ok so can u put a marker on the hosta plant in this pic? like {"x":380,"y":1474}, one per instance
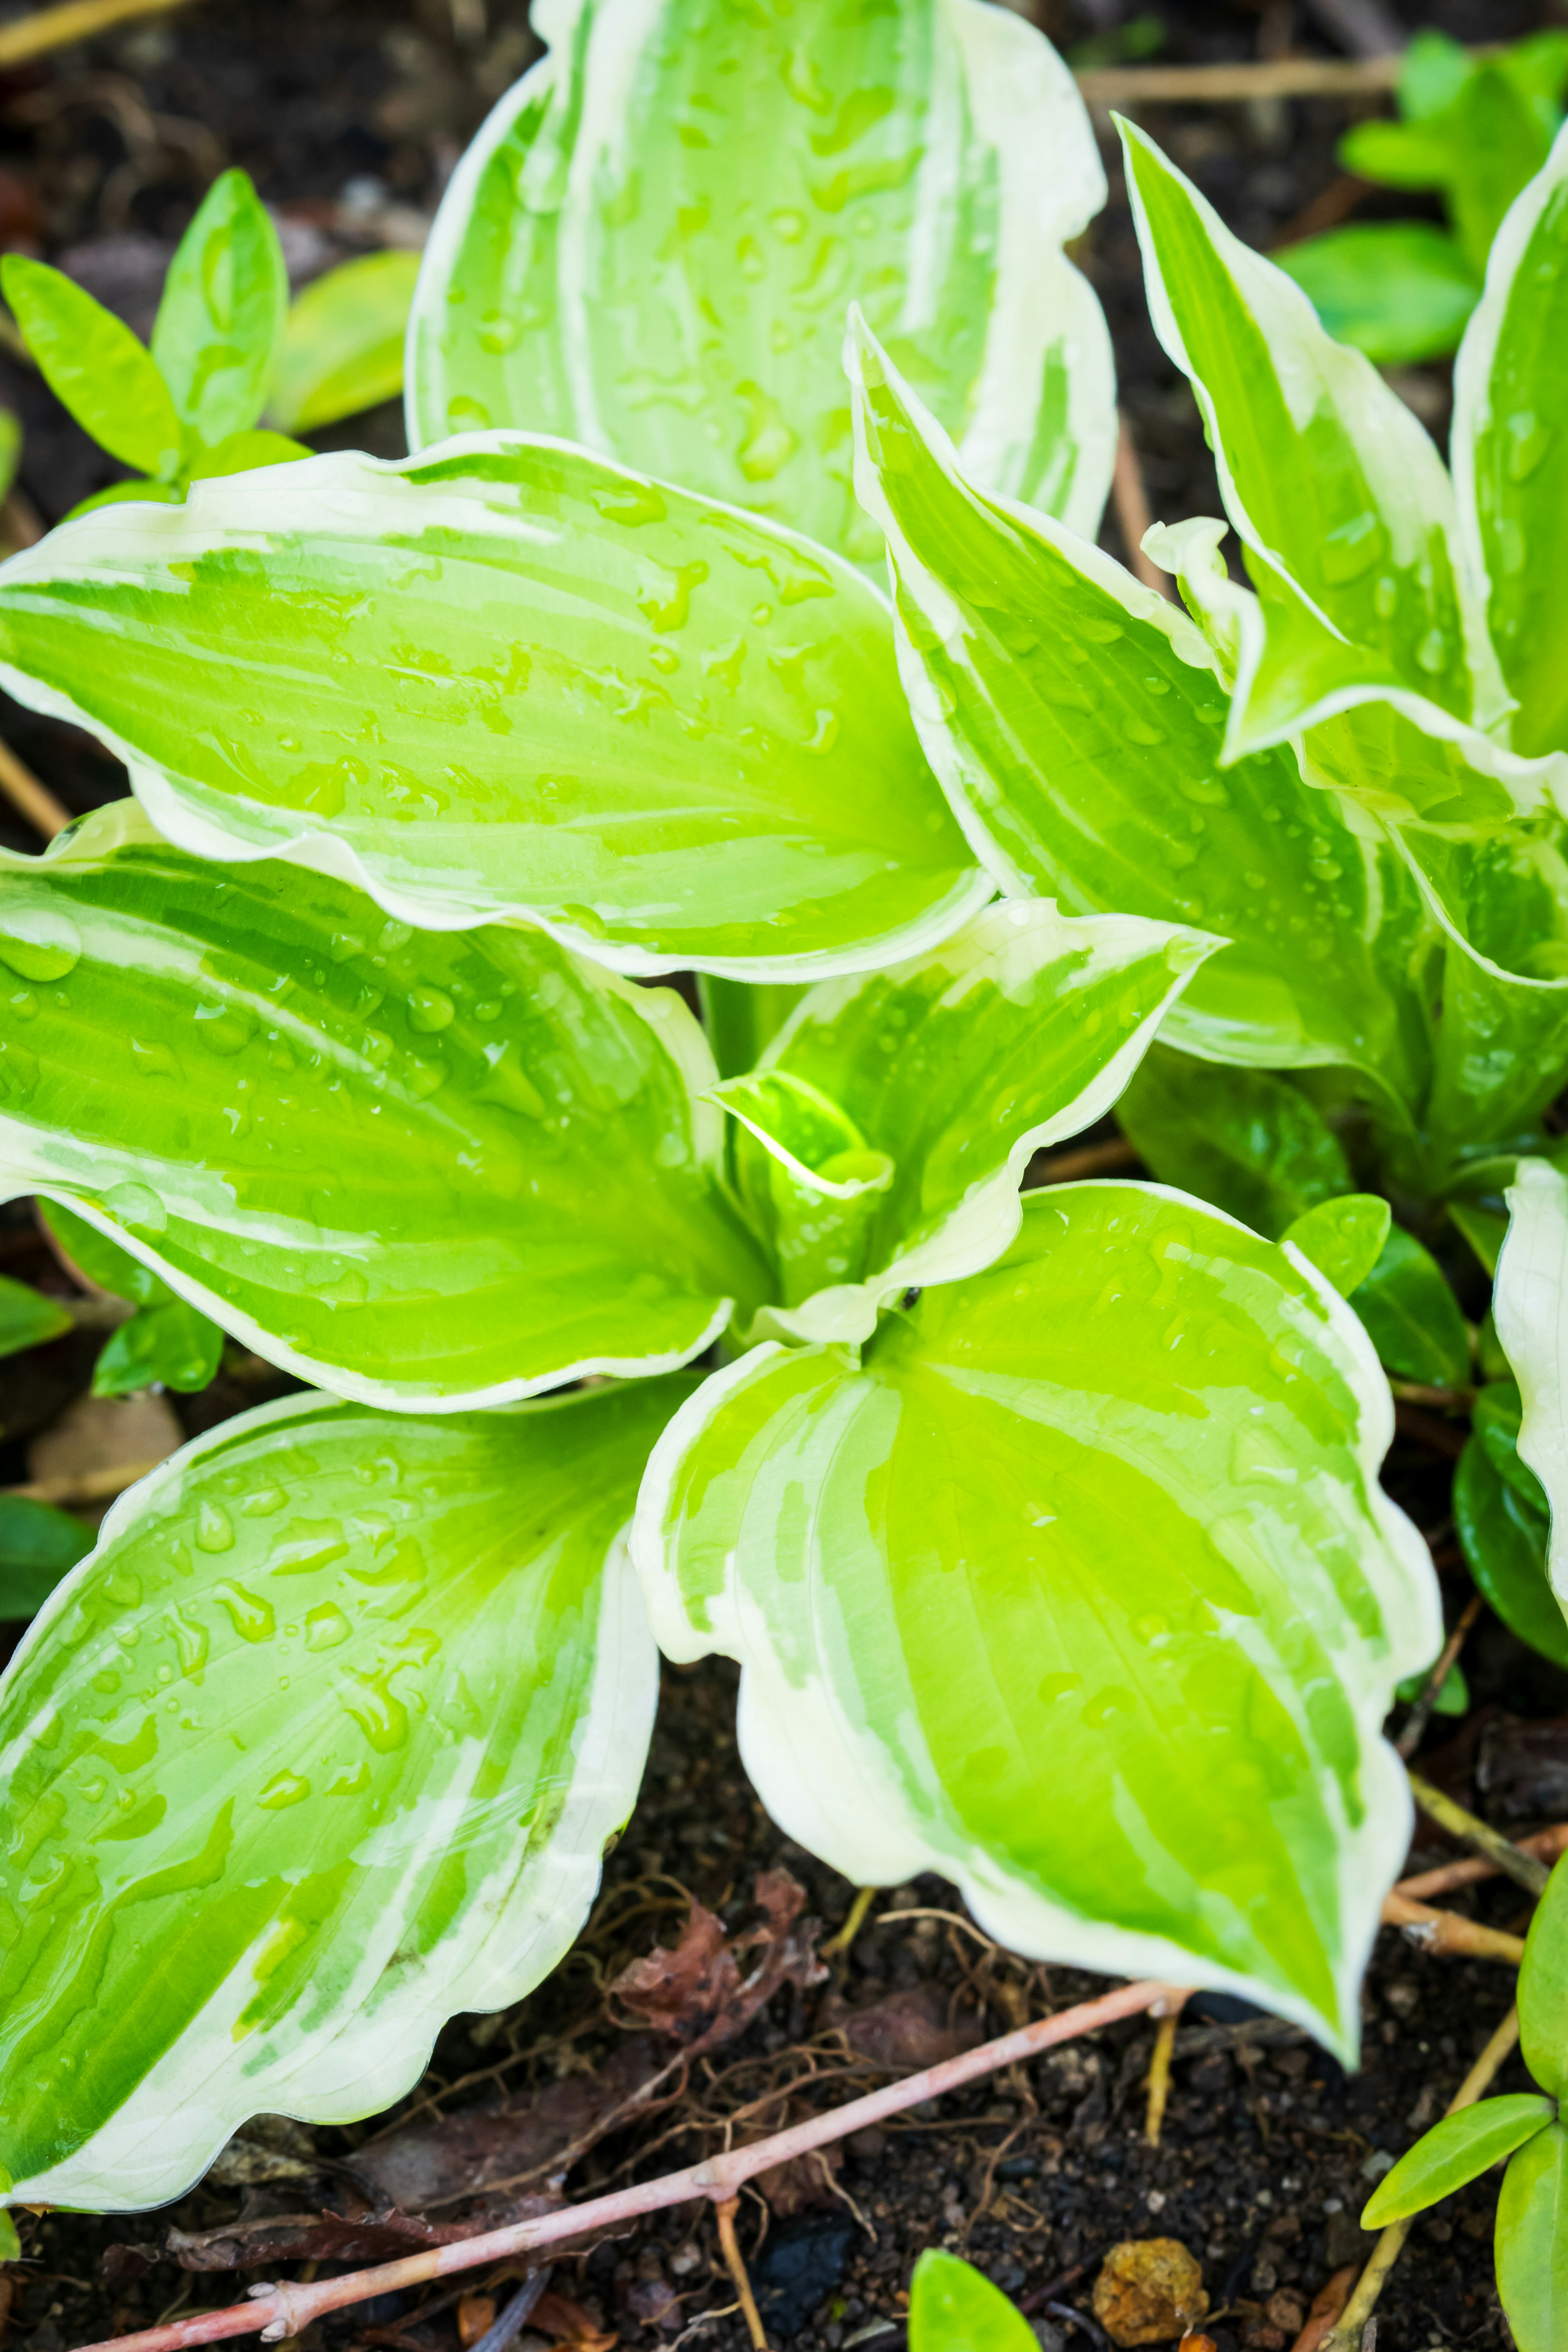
{"x":1045,"y":1527}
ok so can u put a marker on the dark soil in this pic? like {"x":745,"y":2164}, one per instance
{"x":350,"y":117}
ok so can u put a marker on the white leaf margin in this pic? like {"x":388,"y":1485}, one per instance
{"x":162,"y":2139}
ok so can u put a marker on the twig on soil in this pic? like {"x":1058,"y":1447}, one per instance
{"x":1523,"y":1868}
{"x":1234,"y":84}
{"x":31,"y":799}
{"x":736,"y":2263}
{"x":278,"y":2310}
{"x":1446,"y":1931}
{"x":1346,"y":2332}
{"x":1415,"y":1723}
{"x":865,"y":1898}
{"x":1545,"y":1844}
{"x":1160,"y":2077}
{"x":74,"y":20}
{"x":1134,"y":515}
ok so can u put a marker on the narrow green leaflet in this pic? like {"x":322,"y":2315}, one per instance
{"x":509,"y":680}
{"x":954,"y":2307}
{"x":1077,"y":721}
{"x":1412,"y":1316}
{"x":1344,"y":1237}
{"x":943,"y":1077}
{"x":1531,"y":2243}
{"x":1529,"y":1305}
{"x":322,"y":1745}
{"x":1544,"y":1988}
{"x":95,"y":367}
{"x":26,"y":1317}
{"x":1337,"y":491}
{"x":222,"y":313}
{"x":1400,"y":292}
{"x":341,"y":347}
{"x":1245,"y":1140}
{"x":650,"y":247}
{"x":37,"y":1544}
{"x":1075,"y":1585}
{"x":427,"y":1169}
{"x":1456,"y":2150}
{"x":1511,"y":452}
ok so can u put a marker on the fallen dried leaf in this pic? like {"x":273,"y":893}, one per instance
{"x":903,"y":2033}
{"x":475,"y":2313}
{"x":370,"y":2234}
{"x":1327,"y":2304}
{"x":566,"y":2323}
{"x":696,"y":1994}
{"x":1149,"y":2289}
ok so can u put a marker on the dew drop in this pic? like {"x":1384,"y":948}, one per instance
{"x":284,"y":1789}
{"x":214,"y":1528}
{"x":251,"y":1616}
{"x":39,"y":942}
{"x":1432,"y":653}
{"x":430,"y":1008}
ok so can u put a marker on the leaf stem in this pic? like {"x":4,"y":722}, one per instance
{"x":279,"y":2311}
{"x":865,"y":1898}
{"x":74,"y":20}
{"x":1522,"y":1868}
{"x":1448,"y":1931}
{"x":1160,"y":2077}
{"x":726,"y":2211}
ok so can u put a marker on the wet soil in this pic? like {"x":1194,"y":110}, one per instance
{"x":349,"y":118}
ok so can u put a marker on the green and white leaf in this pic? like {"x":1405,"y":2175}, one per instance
{"x":1530,"y":1304}
{"x":508,"y":680}
{"x":1095,"y":1606}
{"x":1456,"y":2150}
{"x":322,"y":1745}
{"x":436,"y":1169}
{"x":947,"y":1074}
{"x":221,"y":317}
{"x":1077,"y":721}
{"x":652,"y":244}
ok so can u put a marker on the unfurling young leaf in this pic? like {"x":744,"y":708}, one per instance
{"x":1456,"y":2150}
{"x":341,"y":347}
{"x":283,"y":1901}
{"x":954,"y":2307}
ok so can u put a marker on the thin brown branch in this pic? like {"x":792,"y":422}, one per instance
{"x":280,"y":2311}
{"x":1446,"y":1931}
{"x":1545,"y":1844}
{"x":1409,"y":1739}
{"x":1522,"y":1868}
{"x":31,"y":799}
{"x":1346,"y":2332}
{"x":1070,"y":1168}
{"x":74,"y":20}
{"x":735,"y":2262}
{"x":1160,"y":2078}
{"x":1233,"y":85}
{"x":1134,"y":517}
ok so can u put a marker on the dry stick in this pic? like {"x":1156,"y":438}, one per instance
{"x":1409,"y":1739}
{"x":1521,"y":1867}
{"x":1446,"y":1931}
{"x":76,"y":20}
{"x":1544,"y":1845}
{"x":1160,"y":2077}
{"x":280,"y":2311}
{"x":1233,"y":85}
{"x":36,"y":802}
{"x":1134,"y":517}
{"x":1346,"y":2331}
{"x":726,"y":2211}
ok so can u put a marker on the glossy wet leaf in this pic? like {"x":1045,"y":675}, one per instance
{"x":1412,"y":1316}
{"x":1500,"y":140}
{"x":1332,"y":485}
{"x":38,"y":1545}
{"x":1453,"y":1695}
{"x":1398,"y":291}
{"x":1344,"y":1238}
{"x":1532,"y":2241}
{"x":424,"y":1168}
{"x":1245,"y":1140}
{"x":175,"y":1346}
{"x":1457,"y":2149}
{"x":222,"y":312}
{"x":954,"y":2307}
{"x":1544,"y":1988}
{"x":28,"y":1318}
{"x":1076,"y":721}
{"x":950,"y":1072}
{"x":1004,"y":1642}
{"x":94,"y":365}
{"x":99,"y":1259}
{"x":651,"y":244}
{"x":1495,"y":1419}
{"x":1503,"y":1537}
{"x":242,"y":453}
{"x":1511,"y":452}
{"x":509,"y":680}
{"x":341,"y":347}
{"x":1528,"y":1306}
{"x":322,"y":1745}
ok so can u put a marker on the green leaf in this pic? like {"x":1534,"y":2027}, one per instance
{"x":650,"y":246}
{"x":97,"y":1259}
{"x":1482,"y":1228}
{"x":221,"y":317}
{"x":1246,"y":1140}
{"x":1528,"y":1306}
{"x":1511,"y":453}
{"x":429,"y":1169}
{"x":510,"y":680}
{"x":1504,"y":1539}
{"x":1455,"y":2151}
{"x":95,"y":367}
{"x":1335,"y":490}
{"x":1344,"y":1238}
{"x":1412,"y":1316}
{"x":1076,"y":721}
{"x":740,"y":1018}
{"x":1453,"y":1692}
{"x":1398,"y":291}
{"x":943,"y":1075}
{"x":10,"y":2244}
{"x":217,"y":1900}
{"x":1399,"y":154}
{"x":175,"y":1345}
{"x":1433,"y":72}
{"x":1532,"y":2244}
{"x":954,"y":2307}
{"x":242,"y":453}
{"x":1001,"y":1640}
{"x":343,"y":342}
{"x":1500,"y":141}
{"x":28,"y":1318}
{"x":38,"y":1545}
{"x":1544,"y":1988}
{"x":10,"y":449}
{"x":1495,"y":1419}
